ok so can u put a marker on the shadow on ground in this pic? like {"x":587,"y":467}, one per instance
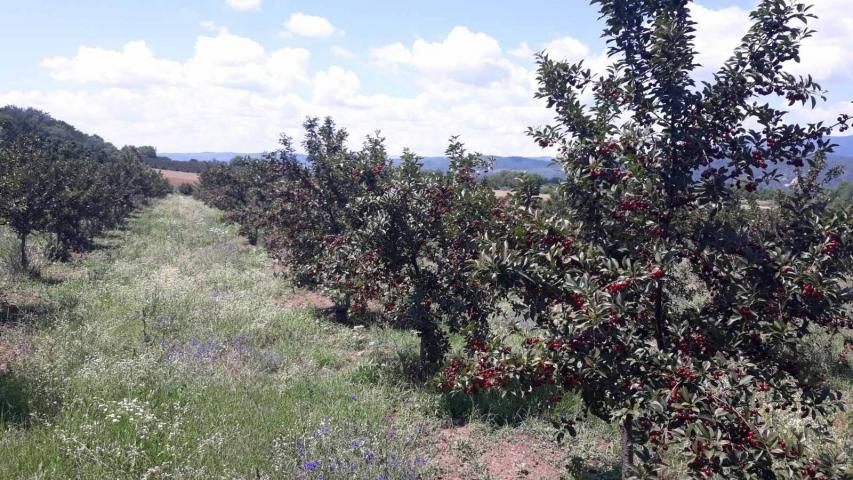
{"x":581,"y":470}
{"x":25,"y":308}
{"x":15,"y":397}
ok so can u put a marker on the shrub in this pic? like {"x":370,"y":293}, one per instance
{"x":185,"y":189}
{"x":240,"y":189}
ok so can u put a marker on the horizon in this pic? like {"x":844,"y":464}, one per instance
{"x":232,"y":75}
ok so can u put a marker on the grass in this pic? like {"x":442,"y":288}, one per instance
{"x":172,"y":351}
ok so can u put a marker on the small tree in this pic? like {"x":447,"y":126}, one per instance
{"x":310,"y":207}
{"x":665,"y":308}
{"x":30,"y":186}
{"x":412,"y":249}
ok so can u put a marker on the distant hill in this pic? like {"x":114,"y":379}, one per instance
{"x":209,"y":156}
{"x":845,"y":145}
{"x":833,"y":160}
{"x":16,"y":119}
{"x":539,"y":165}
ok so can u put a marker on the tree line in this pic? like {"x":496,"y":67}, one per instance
{"x":646,"y":286}
{"x":149,"y":157}
{"x":66,"y":184}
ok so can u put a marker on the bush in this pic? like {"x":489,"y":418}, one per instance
{"x":185,"y":189}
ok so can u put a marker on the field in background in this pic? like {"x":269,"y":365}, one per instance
{"x":179,"y":178}
{"x":171,"y":351}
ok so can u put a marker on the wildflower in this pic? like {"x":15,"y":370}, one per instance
{"x":311,"y":466}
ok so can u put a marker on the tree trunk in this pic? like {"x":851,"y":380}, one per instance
{"x":627,"y":448}
{"x":25,"y":263}
{"x":660,"y":325}
{"x":63,"y":244}
{"x":341,"y":311}
{"x":433,"y":346}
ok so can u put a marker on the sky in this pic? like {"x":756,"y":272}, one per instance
{"x":232,"y":75}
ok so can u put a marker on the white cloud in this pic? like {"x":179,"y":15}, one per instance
{"x":212,"y":26}
{"x":342,"y":52}
{"x":221,"y":60}
{"x":304,"y":25}
{"x":336,"y":85}
{"x":566,"y":48}
{"x":134,"y":63}
{"x":233,"y":94}
{"x":718,"y":33}
{"x":827,"y":54}
{"x":522,"y":51}
{"x":244,"y":5}
{"x":464,"y":56}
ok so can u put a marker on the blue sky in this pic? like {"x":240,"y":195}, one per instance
{"x":232,"y":74}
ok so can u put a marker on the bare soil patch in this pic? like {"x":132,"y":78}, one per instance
{"x":179,"y":178}
{"x":452,"y":450}
{"x":462,"y":454}
{"x":524,"y":456}
{"x":307,"y":299}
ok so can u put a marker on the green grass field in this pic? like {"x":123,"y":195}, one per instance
{"x":172,"y":351}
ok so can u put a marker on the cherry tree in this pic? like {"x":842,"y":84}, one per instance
{"x":655,"y":298}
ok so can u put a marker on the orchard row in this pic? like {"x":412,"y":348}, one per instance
{"x":647,"y":286}
{"x":68,"y":185}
